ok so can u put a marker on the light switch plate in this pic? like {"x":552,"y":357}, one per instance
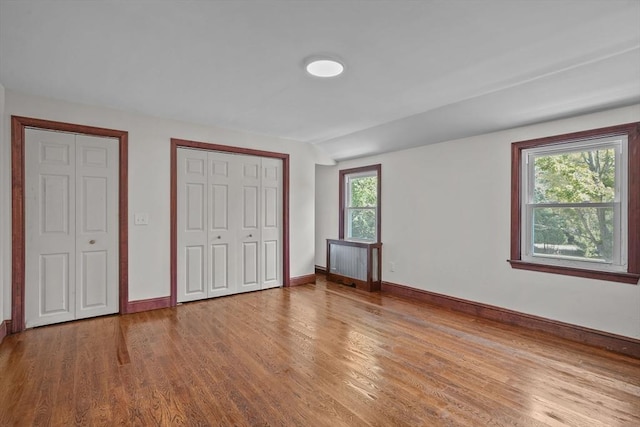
{"x":141,"y":218}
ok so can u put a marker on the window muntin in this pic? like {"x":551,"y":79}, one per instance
{"x":574,"y":204}
{"x":360,"y":204}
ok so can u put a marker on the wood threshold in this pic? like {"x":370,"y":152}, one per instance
{"x":612,"y":342}
{"x":18,"y":126}
{"x":148,"y":304}
{"x":302,"y":280}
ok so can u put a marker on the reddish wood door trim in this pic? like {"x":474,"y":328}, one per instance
{"x":181,"y":143}
{"x":18,"y":126}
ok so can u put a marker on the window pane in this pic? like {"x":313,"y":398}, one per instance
{"x":363,"y":192}
{"x":576,"y":177}
{"x":583,"y":233}
{"x":362,"y":224}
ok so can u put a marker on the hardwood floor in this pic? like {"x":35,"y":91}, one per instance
{"x":323,"y":355}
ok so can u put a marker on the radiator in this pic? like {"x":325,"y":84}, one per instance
{"x":354,"y":263}
{"x":349,"y":261}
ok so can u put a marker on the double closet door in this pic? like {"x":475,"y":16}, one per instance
{"x":71,"y":226}
{"x":229,"y":223}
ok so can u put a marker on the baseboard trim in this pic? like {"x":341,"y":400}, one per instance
{"x":302,"y":280}
{"x":617,"y":343}
{"x":148,"y":304}
{"x":321,"y":270}
{"x":4,"y":327}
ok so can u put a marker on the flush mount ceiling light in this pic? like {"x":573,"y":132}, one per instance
{"x":324,"y":67}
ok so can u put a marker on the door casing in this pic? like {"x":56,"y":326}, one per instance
{"x":18,"y":126}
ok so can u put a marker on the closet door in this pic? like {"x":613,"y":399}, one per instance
{"x":229,"y":223}
{"x":271,"y":223}
{"x":50,"y":218}
{"x":223,"y":224}
{"x":192,"y":225}
{"x":71,"y":228}
{"x":249,"y":229}
{"x":97,"y":251}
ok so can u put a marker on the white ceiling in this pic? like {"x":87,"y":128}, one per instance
{"x":417,"y":72}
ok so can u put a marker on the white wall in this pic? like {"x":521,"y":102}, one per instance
{"x":149,"y":151}
{"x":445,"y":223}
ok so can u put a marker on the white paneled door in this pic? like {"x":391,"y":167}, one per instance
{"x":71,"y":214}
{"x":271,"y":223}
{"x":227,"y":241}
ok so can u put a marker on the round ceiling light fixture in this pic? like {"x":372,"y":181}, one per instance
{"x":324,"y":67}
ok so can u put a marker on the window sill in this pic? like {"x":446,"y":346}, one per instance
{"x":631,"y":278}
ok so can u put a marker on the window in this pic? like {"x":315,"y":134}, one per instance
{"x":360,"y":204}
{"x":575,"y":202}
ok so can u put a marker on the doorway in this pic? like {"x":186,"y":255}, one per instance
{"x":229,"y":220}
{"x":94,"y":261}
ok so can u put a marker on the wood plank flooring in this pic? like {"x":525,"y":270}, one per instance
{"x":323,"y":355}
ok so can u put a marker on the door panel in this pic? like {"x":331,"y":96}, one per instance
{"x":195,"y":207}
{"x":95,"y":210}
{"x":220,"y":166}
{"x":54,"y":292}
{"x":192,"y":225}
{"x":92,"y":156}
{"x":270,"y":207}
{"x":271,"y":259}
{"x":97,"y":236}
{"x":54,"y":150}
{"x":220,"y":266}
{"x":94,"y":280}
{"x":250,"y":168}
{"x":250,"y":207}
{"x":195,"y":165}
{"x":219,"y":207}
{"x":271,"y":232}
{"x":250,"y":265}
{"x":55,"y":193}
{"x":195,"y":270}
{"x":49,"y":227}
{"x":223,"y":224}
{"x":249,"y":194}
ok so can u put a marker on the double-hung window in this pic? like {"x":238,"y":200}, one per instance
{"x":360,"y":204}
{"x":574,"y":200}
{"x":575,"y":204}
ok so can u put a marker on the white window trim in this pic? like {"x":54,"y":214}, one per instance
{"x":620,"y":203}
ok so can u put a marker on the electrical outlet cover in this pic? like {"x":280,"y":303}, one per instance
{"x":141,"y":219}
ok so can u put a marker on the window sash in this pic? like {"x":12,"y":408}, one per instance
{"x":346,"y":208}
{"x":351,"y":177}
{"x":617,"y":262}
{"x":349,"y":224}
{"x":619,"y":204}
